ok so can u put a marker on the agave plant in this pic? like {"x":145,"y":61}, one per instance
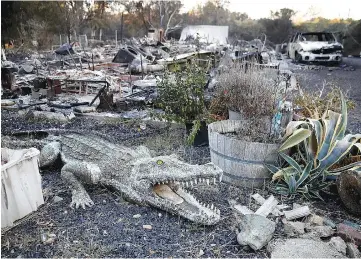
{"x":314,"y":150}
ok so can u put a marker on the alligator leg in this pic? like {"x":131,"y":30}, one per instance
{"x":49,"y":153}
{"x":74,"y":174}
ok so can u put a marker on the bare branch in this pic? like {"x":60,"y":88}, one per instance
{"x":173,"y":28}
{"x":169,"y":20}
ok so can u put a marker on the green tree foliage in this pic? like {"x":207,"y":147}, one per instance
{"x":42,"y":19}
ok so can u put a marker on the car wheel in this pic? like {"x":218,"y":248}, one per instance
{"x":298,"y":57}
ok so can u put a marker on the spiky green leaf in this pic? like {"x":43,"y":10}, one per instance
{"x":305,"y":174}
{"x":291,"y":162}
{"x":343,"y":124}
{"x":297,"y":137}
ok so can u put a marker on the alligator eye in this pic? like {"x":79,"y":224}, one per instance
{"x":160,"y":162}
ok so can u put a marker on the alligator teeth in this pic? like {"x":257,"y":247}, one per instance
{"x":214,"y":180}
{"x":220,"y":178}
{"x":212,"y":206}
{"x":187,"y":184}
{"x":195,"y":181}
{"x":207,"y":181}
{"x":218,"y":211}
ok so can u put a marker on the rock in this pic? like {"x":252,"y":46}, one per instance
{"x":5,"y":102}
{"x":315,"y":220}
{"x":49,"y":241}
{"x":349,"y":233}
{"x":136,"y":216}
{"x":143,"y":126}
{"x":303,"y":248}
{"x":338,"y":244}
{"x":242,"y":209}
{"x":43,"y":237}
{"x":26,"y":69}
{"x":267,"y":207}
{"x":352,"y":251}
{"x":48,"y":238}
{"x":297,"y":213}
{"x":57,"y":199}
{"x":45,"y":115}
{"x":84,"y":109}
{"x":201,"y":252}
{"x":232,"y":202}
{"x":293,"y":229}
{"x":322,"y":231}
{"x":149,"y":227}
{"x":256,"y":231}
{"x":71,"y":116}
{"x":329,"y":222}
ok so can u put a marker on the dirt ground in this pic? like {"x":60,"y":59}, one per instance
{"x":348,"y":80}
{"x":108,"y":229}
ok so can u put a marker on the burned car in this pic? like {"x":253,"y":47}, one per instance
{"x":315,"y":47}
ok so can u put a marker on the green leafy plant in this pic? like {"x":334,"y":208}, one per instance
{"x":181,"y":96}
{"x":316,"y":150}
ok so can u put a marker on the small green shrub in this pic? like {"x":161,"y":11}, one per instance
{"x":181,"y":96}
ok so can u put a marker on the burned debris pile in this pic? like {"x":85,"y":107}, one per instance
{"x":239,"y":103}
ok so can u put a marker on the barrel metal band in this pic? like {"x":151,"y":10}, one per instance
{"x":239,"y":160}
{"x":244,"y":178}
{"x":234,"y":177}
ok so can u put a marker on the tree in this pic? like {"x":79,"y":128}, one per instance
{"x":280,"y":26}
{"x":157,"y":14}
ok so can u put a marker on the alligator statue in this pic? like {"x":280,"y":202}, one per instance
{"x":139,"y":177}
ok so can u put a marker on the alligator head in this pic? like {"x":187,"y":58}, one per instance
{"x":160,"y":181}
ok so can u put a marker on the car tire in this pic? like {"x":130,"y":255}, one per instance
{"x":298,"y":58}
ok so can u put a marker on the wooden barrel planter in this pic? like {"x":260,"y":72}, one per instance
{"x":241,"y":161}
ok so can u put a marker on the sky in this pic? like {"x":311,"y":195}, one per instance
{"x":261,"y":8}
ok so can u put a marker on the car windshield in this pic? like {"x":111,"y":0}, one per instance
{"x":317,"y":37}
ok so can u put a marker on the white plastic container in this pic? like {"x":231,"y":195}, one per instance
{"x":21,"y":191}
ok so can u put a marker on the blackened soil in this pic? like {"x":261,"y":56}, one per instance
{"x":108,"y":229}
